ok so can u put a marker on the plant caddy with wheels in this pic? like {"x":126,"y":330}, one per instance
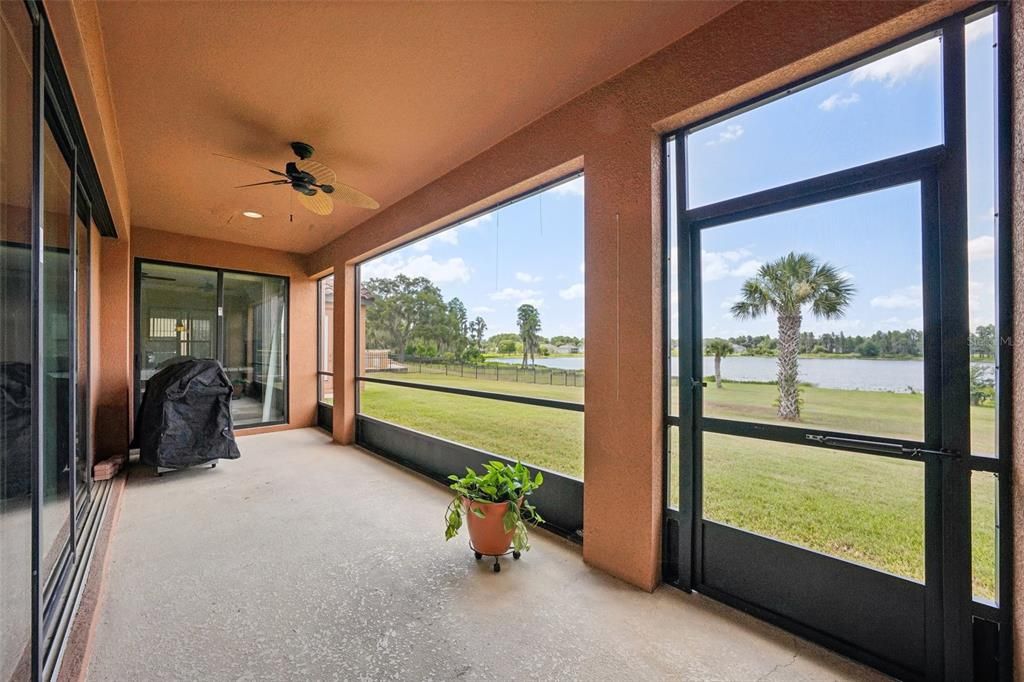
{"x":495,"y":508}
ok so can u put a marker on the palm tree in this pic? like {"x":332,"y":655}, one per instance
{"x":718,"y":348}
{"x":477,"y":329}
{"x":785,"y":286}
{"x":528,"y":320}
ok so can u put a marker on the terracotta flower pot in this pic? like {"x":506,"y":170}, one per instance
{"x":487,"y":534}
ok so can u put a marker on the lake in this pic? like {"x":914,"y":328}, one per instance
{"x":900,"y":376}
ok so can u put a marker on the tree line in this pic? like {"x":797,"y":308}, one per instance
{"x":907,"y":343}
{"x":409,"y":317}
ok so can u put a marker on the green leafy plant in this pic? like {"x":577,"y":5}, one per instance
{"x":499,"y":483}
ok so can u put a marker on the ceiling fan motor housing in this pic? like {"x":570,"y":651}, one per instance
{"x":302,"y":150}
{"x":301,"y":180}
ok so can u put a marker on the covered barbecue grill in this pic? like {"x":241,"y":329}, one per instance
{"x":185,"y":417}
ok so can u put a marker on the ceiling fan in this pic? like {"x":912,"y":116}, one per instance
{"x":315,"y":184}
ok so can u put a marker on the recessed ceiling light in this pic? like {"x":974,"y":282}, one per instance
{"x":252,"y":214}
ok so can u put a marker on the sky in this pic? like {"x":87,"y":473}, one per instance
{"x":532,"y":251}
{"x":885,"y":108}
{"x":527,"y":252}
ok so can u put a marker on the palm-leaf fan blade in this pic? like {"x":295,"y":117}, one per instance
{"x":319,"y":203}
{"x":251,"y":163}
{"x":323,"y":174}
{"x":350,"y":195}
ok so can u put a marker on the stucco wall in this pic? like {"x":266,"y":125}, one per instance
{"x":612,"y":133}
{"x":113,"y":399}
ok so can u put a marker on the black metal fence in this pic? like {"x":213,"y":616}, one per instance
{"x":491,"y":371}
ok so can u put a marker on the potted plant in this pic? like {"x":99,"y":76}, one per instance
{"x":496,"y":509}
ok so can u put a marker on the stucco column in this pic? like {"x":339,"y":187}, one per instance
{"x":622,"y":501}
{"x":1017,"y":190}
{"x":115,"y":407}
{"x":346,"y":327}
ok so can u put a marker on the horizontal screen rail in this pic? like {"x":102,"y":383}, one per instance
{"x":847,"y":442}
{"x":490,"y":395}
{"x":869,"y":177}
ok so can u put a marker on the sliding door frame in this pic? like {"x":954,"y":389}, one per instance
{"x":218,"y":342}
{"x":324,"y":411}
{"x":53,"y":105}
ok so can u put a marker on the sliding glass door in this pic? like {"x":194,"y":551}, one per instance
{"x":50,"y":202}
{"x":240,"y":319}
{"x":254,"y":346}
{"x":57,"y":345}
{"x":16,"y":352}
{"x":325,"y":353}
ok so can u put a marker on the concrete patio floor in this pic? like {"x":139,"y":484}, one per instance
{"x":309,"y":560}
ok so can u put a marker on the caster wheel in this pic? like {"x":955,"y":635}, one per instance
{"x":497,"y":567}
{"x":478,"y":555}
{"x":213,"y":466}
{"x":516,"y":555}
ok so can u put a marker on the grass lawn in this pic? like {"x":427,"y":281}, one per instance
{"x":862,"y":508}
{"x":548,"y":438}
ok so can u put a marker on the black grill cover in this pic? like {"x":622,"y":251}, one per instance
{"x":185,"y":417}
{"x":16,"y":426}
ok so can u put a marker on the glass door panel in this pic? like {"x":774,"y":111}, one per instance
{"x":56,"y":308}
{"x":177,"y":317}
{"x":255,"y":347}
{"x":16,"y":362}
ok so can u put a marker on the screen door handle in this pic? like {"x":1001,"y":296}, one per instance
{"x":880,"y":447}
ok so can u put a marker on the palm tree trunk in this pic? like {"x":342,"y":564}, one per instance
{"x":789,"y":346}
{"x":718,"y":370}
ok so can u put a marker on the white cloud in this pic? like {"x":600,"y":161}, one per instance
{"x":981,"y":248}
{"x":717,"y":265}
{"x":839,"y":101}
{"x":512,"y":294}
{"x":981,"y":302}
{"x":449,"y":236}
{"x":728,"y":302}
{"x":572,"y":293}
{"x":904,"y":297}
{"x":527,"y":278}
{"x":439,"y":272}
{"x":848,"y":275}
{"x":482,"y":309}
{"x":572,"y":188}
{"x":900,"y":66}
{"x":977,"y":29}
{"x":733,"y":131}
{"x":747,"y":268}
{"x":535,"y":302}
{"x":582,"y":267}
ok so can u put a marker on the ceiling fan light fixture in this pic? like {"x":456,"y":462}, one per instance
{"x":255,"y":215}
